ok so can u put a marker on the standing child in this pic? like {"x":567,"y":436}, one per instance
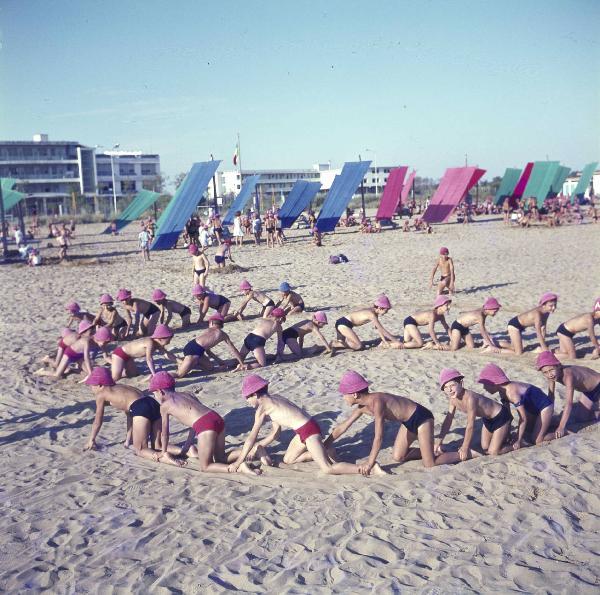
{"x":200,"y":264}
{"x":144,"y":243}
{"x":446,"y":266}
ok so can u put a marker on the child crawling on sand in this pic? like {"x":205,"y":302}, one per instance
{"x":416,"y":423}
{"x":261,"y":297}
{"x":412,"y":335}
{"x":256,"y":340}
{"x":207,"y":427}
{"x":76,"y":314}
{"x":573,"y":378}
{"x":496,"y":418}
{"x":347,"y":337}
{"x":290,"y":301}
{"x":206,"y":300}
{"x":305,"y":446}
{"x":110,"y":318}
{"x":578,"y":324}
{"x":460,"y":329}
{"x":169,"y":307}
{"x":293,"y":336}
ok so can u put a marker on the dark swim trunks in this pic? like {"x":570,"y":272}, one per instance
{"x":219,"y":259}
{"x":499,"y":420}
{"x":409,"y":320}
{"x":457,"y":326}
{"x":514,"y":322}
{"x":151,"y":311}
{"x":147,"y":407}
{"x":343,"y":321}
{"x":222,"y":300}
{"x":269,"y":304}
{"x":192,"y":348}
{"x":419,"y":417}
{"x":310,"y":428}
{"x":289,"y":333}
{"x":594,"y":394}
{"x":563,"y":331}
{"x":185,"y":312}
{"x":534,"y":400}
{"x":252,"y":341}
{"x":301,"y":306}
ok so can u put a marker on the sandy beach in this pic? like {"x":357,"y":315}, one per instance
{"x":107,"y":521}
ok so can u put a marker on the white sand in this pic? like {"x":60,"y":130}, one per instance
{"x":108,"y":521}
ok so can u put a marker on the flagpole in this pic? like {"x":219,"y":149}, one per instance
{"x":239,"y":150}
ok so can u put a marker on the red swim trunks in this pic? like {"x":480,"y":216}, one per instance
{"x":61,"y":344}
{"x":310,"y":428}
{"x":119,"y":352}
{"x":72,"y":354}
{"x":210,"y":421}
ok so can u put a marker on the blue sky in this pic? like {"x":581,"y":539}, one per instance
{"x":419,"y":83}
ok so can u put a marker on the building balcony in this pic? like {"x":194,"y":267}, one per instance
{"x":34,"y":160}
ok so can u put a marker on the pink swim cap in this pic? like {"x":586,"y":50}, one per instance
{"x":448,"y":374}
{"x":444,"y":250}
{"x":123,"y":294}
{"x":245,"y":285}
{"x":547,"y":297}
{"x":382,"y":302}
{"x":597,"y":305}
{"x":162,"y":331}
{"x":100,"y":377}
{"x":193,"y":249}
{"x":546,"y":358}
{"x":320,"y":317}
{"x":72,"y":307}
{"x":217,"y":317}
{"x":491,"y":304}
{"x":352,"y":382}
{"x":106,"y":298}
{"x":158,"y":294}
{"x":198,"y":290}
{"x":84,"y":325}
{"x":441,"y":300}
{"x":161,"y":381}
{"x":492,"y":374}
{"x":252,"y":384}
{"x":278,"y":313}
{"x":102,"y":334}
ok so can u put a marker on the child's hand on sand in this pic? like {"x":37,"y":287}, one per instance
{"x":90,"y":445}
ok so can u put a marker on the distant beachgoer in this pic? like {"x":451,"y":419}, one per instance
{"x":412,"y":335}
{"x":76,"y":314}
{"x":144,"y":243}
{"x":496,"y":418}
{"x":447,"y":278}
{"x":536,"y":317}
{"x":145,"y":314}
{"x":256,"y":229}
{"x":63,"y":244}
{"x":258,"y":296}
{"x":256,"y":340}
{"x":574,"y":378}
{"x":223,"y":253}
{"x":347,"y":337}
{"x":217,"y":228}
{"x":109,"y":317}
{"x":290,"y":301}
{"x":113,"y":229}
{"x":293,"y":336}
{"x":168,"y":307}
{"x":238,"y":232}
{"x":416,"y":423}
{"x":459,"y":331}
{"x":207,"y":427}
{"x":123,"y":358}
{"x":200,"y":264}
{"x":578,"y":324}
{"x":535,"y":408}
{"x":197,"y":351}
{"x":307,"y":445}
{"x":205,"y":300}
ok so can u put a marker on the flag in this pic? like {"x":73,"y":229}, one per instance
{"x":236,"y":154}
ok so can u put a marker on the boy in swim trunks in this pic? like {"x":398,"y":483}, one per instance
{"x":223,"y":253}
{"x":200,"y":264}
{"x":446,"y":266}
{"x":460,"y":329}
{"x":536,"y":317}
{"x":293,"y":336}
{"x":168,"y":307}
{"x":412,"y":335}
{"x":496,"y":418}
{"x":258,"y":296}
{"x":207,"y":427}
{"x":256,"y":340}
{"x":347,"y":337}
{"x":416,"y":423}
{"x":196,"y":351}
{"x":306,"y":445}
{"x":535,"y":407}
{"x":290,"y":301}
{"x":76,"y":314}
{"x":205,"y":300}
{"x":573,"y":378}
{"x":145,"y":314}
{"x":110,"y":318}
{"x":567,"y":330}
{"x":123,"y":358}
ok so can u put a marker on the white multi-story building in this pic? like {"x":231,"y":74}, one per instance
{"x":131,"y":172}
{"x":571,"y":182}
